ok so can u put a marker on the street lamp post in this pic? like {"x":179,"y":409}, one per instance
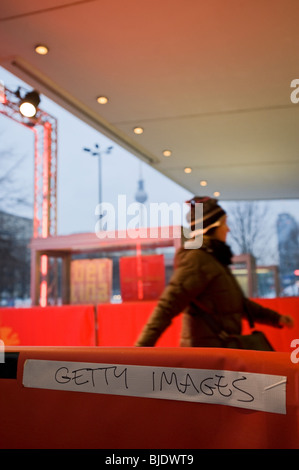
{"x":97,"y":153}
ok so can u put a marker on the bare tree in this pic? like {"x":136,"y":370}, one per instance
{"x":252,"y":230}
{"x":13,"y":193}
{"x":15,"y":231}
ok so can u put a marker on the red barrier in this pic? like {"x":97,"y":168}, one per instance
{"x":115,"y":325}
{"x":42,"y":418}
{"x":48,"y":326}
{"x":120,"y":325}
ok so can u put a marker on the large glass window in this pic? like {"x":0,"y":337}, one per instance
{"x":265,"y":231}
{"x":268,"y":231}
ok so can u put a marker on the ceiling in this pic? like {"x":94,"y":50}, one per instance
{"x":208,"y":79}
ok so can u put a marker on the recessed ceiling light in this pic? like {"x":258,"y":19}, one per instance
{"x":187,"y":169}
{"x":167,"y":153}
{"x":102,"y":99}
{"x":216,"y":193}
{"x":203,"y":183}
{"x":138,"y":130}
{"x":41,"y":49}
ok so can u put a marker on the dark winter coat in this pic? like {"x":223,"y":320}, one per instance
{"x":201,"y":282}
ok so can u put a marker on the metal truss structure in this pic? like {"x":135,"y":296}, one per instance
{"x":44,"y":127}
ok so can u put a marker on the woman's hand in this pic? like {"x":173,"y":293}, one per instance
{"x":286,"y":320}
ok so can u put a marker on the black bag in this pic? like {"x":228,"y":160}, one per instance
{"x":255,"y":341}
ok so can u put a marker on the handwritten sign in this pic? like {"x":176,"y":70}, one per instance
{"x":239,"y":389}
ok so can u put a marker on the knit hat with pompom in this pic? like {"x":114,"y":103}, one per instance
{"x":211,"y":214}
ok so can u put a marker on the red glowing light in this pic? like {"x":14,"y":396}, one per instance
{"x":43,"y":294}
{"x":44,"y":265}
{"x":139,"y":272}
{"x":2,"y":93}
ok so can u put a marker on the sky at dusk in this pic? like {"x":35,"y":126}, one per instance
{"x":78,"y":180}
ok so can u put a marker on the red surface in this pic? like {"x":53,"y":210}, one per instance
{"x":120,"y":325}
{"x":48,"y":326}
{"x":141,"y":277}
{"x":116,"y":325}
{"x":32,"y":418}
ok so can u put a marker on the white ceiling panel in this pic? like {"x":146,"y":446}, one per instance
{"x":208,"y":79}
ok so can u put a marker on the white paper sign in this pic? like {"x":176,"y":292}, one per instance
{"x":240,"y":389}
